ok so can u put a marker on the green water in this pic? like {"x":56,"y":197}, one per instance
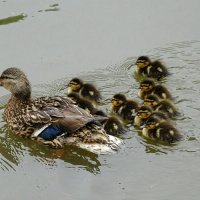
{"x":99,"y":41}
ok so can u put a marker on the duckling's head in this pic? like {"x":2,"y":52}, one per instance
{"x":144,"y":112}
{"x":143,"y":61}
{"x":151,"y":100}
{"x":14,"y":80}
{"x":75,"y":84}
{"x":152,"y":122}
{"x":147,"y":85}
{"x":118,"y":100}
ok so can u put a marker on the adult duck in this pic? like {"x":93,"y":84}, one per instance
{"x":54,"y":121}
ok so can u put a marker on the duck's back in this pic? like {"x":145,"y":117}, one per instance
{"x":23,"y":117}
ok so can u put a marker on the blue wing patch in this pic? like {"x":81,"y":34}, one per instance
{"x":51,"y":132}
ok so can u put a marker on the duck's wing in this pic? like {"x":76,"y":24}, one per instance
{"x":57,"y":110}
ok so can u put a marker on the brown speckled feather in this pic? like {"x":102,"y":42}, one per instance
{"x":34,"y":114}
{"x":27,"y":117}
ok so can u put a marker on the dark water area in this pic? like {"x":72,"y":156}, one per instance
{"x":58,"y":40}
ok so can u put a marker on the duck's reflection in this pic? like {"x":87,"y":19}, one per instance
{"x":14,"y":149}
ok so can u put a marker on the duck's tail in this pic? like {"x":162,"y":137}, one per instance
{"x":93,"y":138}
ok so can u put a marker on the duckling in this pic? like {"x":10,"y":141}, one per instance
{"x":82,"y":102}
{"x":151,"y":100}
{"x":150,"y":69}
{"x":118,"y":101}
{"x":53,"y":121}
{"x":148,"y":86}
{"x":85,"y":90}
{"x":144,"y":112}
{"x":167,"y":107}
{"x":126,"y":109}
{"x":160,"y":130}
{"x":112,"y":125}
{"x":142,"y":115}
{"x":161,"y":115}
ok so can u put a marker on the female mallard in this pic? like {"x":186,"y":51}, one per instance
{"x":52,"y":120}
{"x":146,"y":67}
{"x":86,"y":90}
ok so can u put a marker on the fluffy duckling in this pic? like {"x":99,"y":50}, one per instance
{"x":47,"y":119}
{"x":142,"y":115}
{"x":148,"y":86}
{"x":126,"y":109}
{"x":82,"y":102}
{"x":167,"y":107}
{"x":160,"y":130}
{"x":112,"y":125}
{"x":144,"y":112}
{"x":85,"y":90}
{"x":151,"y":100}
{"x":150,"y":69}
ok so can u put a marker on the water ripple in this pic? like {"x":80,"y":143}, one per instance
{"x":182,"y":59}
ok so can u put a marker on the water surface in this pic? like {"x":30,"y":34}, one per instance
{"x":99,"y":42}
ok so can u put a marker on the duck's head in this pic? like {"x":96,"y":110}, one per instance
{"x":75,"y":84}
{"x":143,"y":61}
{"x":144,"y":112}
{"x":118,"y":100}
{"x":147,"y":85}
{"x":152,"y":122}
{"x":151,"y":100}
{"x":14,"y":80}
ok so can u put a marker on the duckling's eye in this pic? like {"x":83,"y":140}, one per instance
{"x":113,"y":100}
{"x":142,"y":112}
{"x":6,"y":77}
{"x":150,"y":123}
{"x":144,"y":86}
{"x":140,"y":61}
{"x":148,"y":101}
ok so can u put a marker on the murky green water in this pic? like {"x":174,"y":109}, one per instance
{"x":51,"y":52}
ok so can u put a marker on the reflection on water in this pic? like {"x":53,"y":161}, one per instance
{"x":14,"y":149}
{"x":11,"y":150}
{"x":53,"y":7}
{"x":12,"y":19}
{"x":183,"y":62}
{"x":76,"y":157}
